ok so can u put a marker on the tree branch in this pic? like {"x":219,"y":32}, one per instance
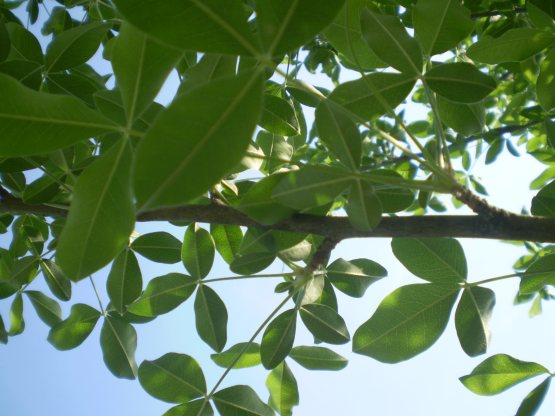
{"x":503,"y":227}
{"x":494,"y":13}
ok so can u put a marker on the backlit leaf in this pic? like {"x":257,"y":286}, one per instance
{"x":118,"y":341}
{"x":160,"y":246}
{"x":318,"y":358}
{"x":57,"y":282}
{"x":500,"y":372}
{"x":71,"y":332}
{"x":325,"y":323}
{"x":48,"y":310}
{"x":198,"y":251}
{"x":355,"y":276}
{"x":250,"y":356}
{"x":125,"y":281}
{"x":240,"y":401}
{"x":539,"y":274}
{"x":278,"y":339}
{"x":532,"y":402}
{"x":284,"y":392}
{"x":211,"y":318}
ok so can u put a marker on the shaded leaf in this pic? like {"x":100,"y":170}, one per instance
{"x":118,"y":341}
{"x":57,"y":282}
{"x":198,"y":250}
{"x":325,"y":323}
{"x":440,"y":25}
{"x":211,"y":318}
{"x":466,"y":119}
{"x":355,"y":276}
{"x":34,"y":122}
{"x":318,"y":358}
{"x":3,"y":332}
{"x":388,"y":38}
{"x":174,"y":378}
{"x":440,"y":260}
{"x":514,"y":45}
{"x":74,"y":46}
{"x":533,"y":400}
{"x":48,"y":310}
{"x":191,"y":409}
{"x":163,"y":294}
{"x":218,"y":26}
{"x":24,"y":45}
{"x":544,"y":84}
{"x":17,"y":323}
{"x":543,"y":204}
{"x":278,"y":339}
{"x":141,"y":66}
{"x":364,"y":207}
{"x":125,"y":281}
{"x":227,"y":239}
{"x":460,"y":82}
{"x":161,"y":247}
{"x":278,"y":116}
{"x":407,"y":322}
{"x":539,"y":274}
{"x":472,"y":319}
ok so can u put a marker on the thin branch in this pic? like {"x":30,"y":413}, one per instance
{"x":499,"y":227}
{"x":495,"y":13}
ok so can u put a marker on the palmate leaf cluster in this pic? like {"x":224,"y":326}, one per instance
{"x":86,"y":154}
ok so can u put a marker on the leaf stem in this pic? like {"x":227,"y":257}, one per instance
{"x":97,"y":297}
{"x":244,"y":349}
{"x":253,"y":276}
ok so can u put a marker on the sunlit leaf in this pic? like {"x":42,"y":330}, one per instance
{"x":250,"y":356}
{"x":71,"y":332}
{"x":539,"y":274}
{"x":240,"y":401}
{"x":284,"y":391}
{"x":500,"y":372}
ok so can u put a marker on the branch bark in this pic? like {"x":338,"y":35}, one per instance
{"x":503,"y":227}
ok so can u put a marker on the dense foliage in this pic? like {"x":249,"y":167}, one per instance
{"x":84,"y":155}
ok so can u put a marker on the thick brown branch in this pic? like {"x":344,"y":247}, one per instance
{"x":510,"y":227}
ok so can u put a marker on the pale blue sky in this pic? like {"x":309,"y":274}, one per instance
{"x":37,"y":379}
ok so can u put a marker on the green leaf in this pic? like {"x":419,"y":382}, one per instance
{"x":276,"y":149}
{"x":101,"y":217}
{"x":71,"y":332}
{"x":460,"y":82}
{"x":466,"y":119}
{"x":389,"y":39}
{"x":34,"y":122}
{"x":227,"y":239}
{"x":363,"y":207}
{"x":472,"y":319}
{"x":218,"y":26}
{"x":24,"y":45}
{"x":252,"y":263}
{"x":57,"y":282}
{"x":543,"y":204}
{"x":163,"y":294}
{"x":311,"y":186}
{"x":438,"y":260}
{"x":278,"y":116}
{"x":125,"y":281}
{"x":514,"y":45}
{"x":240,"y":401}
{"x":3,"y":332}
{"x":533,"y":400}
{"x":318,"y":358}
{"x":161,"y":247}
{"x":249,"y":358}
{"x":198,"y":251}
{"x":211,"y":318}
{"x":345,"y":35}
{"x":339,"y":133}
{"x":48,"y":310}
{"x":174,"y":165}
{"x":278,"y":339}
{"x":27,"y":72}
{"x":174,"y":378}
{"x":258,"y":204}
{"x":42,"y":190}
{"x":325,"y":323}
{"x":118,"y":341}
{"x":500,"y":372}
{"x":544,"y":84}
{"x":539,"y":274}
{"x":407,"y":322}
{"x":374,"y":95}
{"x":191,"y":409}
{"x":355,"y":276}
{"x":284,"y":392}
{"x":5,"y":44}
{"x":210,"y":67}
{"x":75,"y":46}
{"x":141,"y":66}
{"x":17,"y":323}
{"x":440,"y":25}
{"x":288,"y":24}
